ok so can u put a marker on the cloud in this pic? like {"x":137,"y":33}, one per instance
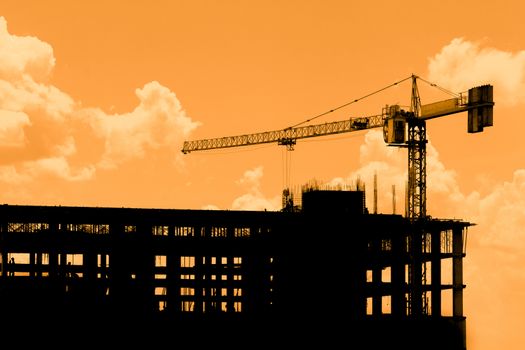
{"x":254,"y":198}
{"x":12,"y":128}
{"x":502,"y":214}
{"x":462,"y":64}
{"x":251,"y":178}
{"x":390,"y":164}
{"x":59,"y":167}
{"x":10,"y":175}
{"x":34,"y":116}
{"x":46,"y":133}
{"x":157,"y":122}
{"x":23,"y":56}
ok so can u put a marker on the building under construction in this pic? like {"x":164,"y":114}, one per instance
{"x":331,"y":271}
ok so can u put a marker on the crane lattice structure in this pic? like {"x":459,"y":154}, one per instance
{"x":401,"y":128}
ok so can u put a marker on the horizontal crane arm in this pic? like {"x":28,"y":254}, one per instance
{"x":478,"y":103}
{"x":286,"y":136}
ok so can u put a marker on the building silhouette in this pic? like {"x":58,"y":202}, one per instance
{"x":329,"y":272}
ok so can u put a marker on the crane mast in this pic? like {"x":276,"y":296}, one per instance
{"x":417,"y":155}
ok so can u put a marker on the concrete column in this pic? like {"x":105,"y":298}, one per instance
{"x":457,"y":271}
{"x":39,"y":264}
{"x":398,"y":276}
{"x":5,"y":262}
{"x":53,"y":256}
{"x":357,"y":298}
{"x":142,"y":253}
{"x":32,"y":264}
{"x":118,"y":269}
{"x":3,"y":252}
{"x":199,"y":283}
{"x":89,"y":261}
{"x":62,"y":263}
{"x":416,"y":289}
{"x":435,"y":268}
{"x":173,"y":272}
{"x":377,"y":301}
{"x":356,"y":293}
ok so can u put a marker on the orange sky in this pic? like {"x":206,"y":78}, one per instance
{"x":96,"y":99}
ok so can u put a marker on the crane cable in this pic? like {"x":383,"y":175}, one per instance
{"x":373,"y":93}
{"x":348,"y":103}
{"x":439,"y":87}
{"x":287,"y":167}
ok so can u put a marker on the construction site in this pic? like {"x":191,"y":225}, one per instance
{"x":326,"y":268}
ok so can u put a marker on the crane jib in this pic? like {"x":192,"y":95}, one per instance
{"x":284,"y":136}
{"x":478,"y":103}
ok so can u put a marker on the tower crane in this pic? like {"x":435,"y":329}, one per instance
{"x":401,"y":128}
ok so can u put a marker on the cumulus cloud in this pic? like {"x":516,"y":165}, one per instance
{"x":390,"y":165}
{"x":502,"y":214}
{"x":59,"y":167}
{"x":158,"y":121}
{"x":494,"y":263}
{"x":462,"y":64}
{"x":10,"y":175}
{"x":12,"y":128}
{"x":254,"y":199}
{"x":45,"y":132}
{"x":24,"y":56}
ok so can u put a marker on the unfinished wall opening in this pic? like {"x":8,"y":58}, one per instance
{"x":27,"y":227}
{"x":427,"y":268}
{"x":130,"y":229}
{"x":218,"y":231}
{"x":427,"y":303}
{"x":446,"y":242}
{"x":369,"y":276}
{"x":187,"y":261}
{"x":386,"y":275}
{"x":241,"y":232}
{"x":446,"y":302}
{"x":386,"y":304}
{"x":160,"y":230}
{"x":446,"y":271}
{"x":369,"y":306}
{"x":187,"y":306}
{"x":184,"y":231}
